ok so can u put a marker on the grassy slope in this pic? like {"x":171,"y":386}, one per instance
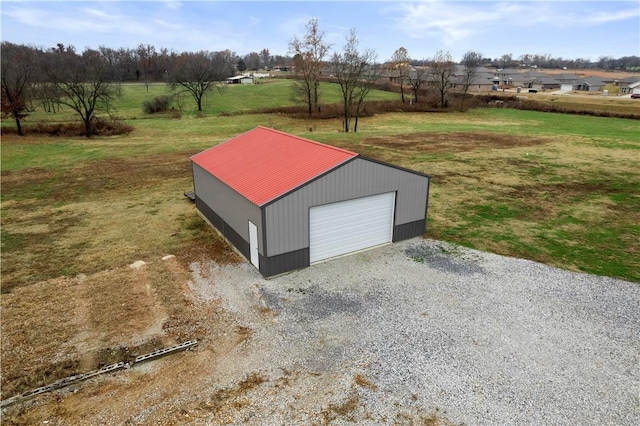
{"x":232,"y":99}
{"x":560,"y":189}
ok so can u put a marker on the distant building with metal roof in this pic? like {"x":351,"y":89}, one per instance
{"x":285,"y":202}
{"x":240,"y":79}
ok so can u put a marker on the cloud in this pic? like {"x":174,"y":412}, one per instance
{"x":294,"y":26}
{"x":77,"y":20}
{"x":173,"y":5}
{"x":608,"y":17}
{"x":454,"y":21}
{"x":451,"y":22}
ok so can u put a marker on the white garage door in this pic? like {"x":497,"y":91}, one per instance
{"x":352,"y":225}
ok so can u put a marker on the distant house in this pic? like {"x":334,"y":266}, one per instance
{"x":539,"y":81}
{"x":568,"y":82}
{"x":632,"y":89}
{"x":240,"y":79}
{"x":482,"y":81}
{"x":507,"y":78}
{"x":591,"y":84}
{"x":390,"y":73}
{"x":284,"y":68}
{"x":629,"y":85}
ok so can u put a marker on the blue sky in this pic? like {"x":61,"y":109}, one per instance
{"x":568,"y":29}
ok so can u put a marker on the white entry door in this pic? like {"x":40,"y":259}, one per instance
{"x":347,"y":226}
{"x":253,"y":245}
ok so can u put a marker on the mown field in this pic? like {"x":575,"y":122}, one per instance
{"x":560,"y":189}
{"x":555,"y":188}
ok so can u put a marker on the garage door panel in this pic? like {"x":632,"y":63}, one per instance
{"x":352,"y":225}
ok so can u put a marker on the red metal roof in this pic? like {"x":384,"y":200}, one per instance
{"x":263,"y":163}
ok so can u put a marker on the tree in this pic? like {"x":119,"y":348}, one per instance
{"x":146,"y":60}
{"x":18,"y":69}
{"x":605,"y":62}
{"x":441,"y":72}
{"x":526,"y":60}
{"x":81,"y":82}
{"x":252,"y":60}
{"x":470,"y":62}
{"x":265,"y":58}
{"x":356,"y":74}
{"x":506,"y":60}
{"x":201,"y":73}
{"x":415,"y":78}
{"x":241,"y":65}
{"x":401,"y":63}
{"x":309,"y":54}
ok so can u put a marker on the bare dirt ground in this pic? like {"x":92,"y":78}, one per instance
{"x":591,"y":73}
{"x":190,"y":387}
{"x":86,"y":325}
{"x":447,"y":142}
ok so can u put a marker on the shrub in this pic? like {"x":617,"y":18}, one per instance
{"x":100,"y":127}
{"x":111,"y":127}
{"x":157,"y":104}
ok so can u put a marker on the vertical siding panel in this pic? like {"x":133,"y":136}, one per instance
{"x":358,"y":178}
{"x":232,"y":207}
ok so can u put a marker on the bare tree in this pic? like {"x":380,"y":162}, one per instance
{"x":146,"y":60}
{"x":82,"y":83}
{"x":471,"y":63}
{"x":309,"y":54}
{"x":166,"y":61}
{"x":18,"y":69}
{"x":441,"y":72}
{"x":506,"y":60}
{"x":265,"y":58}
{"x":415,"y":78}
{"x":366,"y":83}
{"x":252,"y":61}
{"x":356,"y":74}
{"x":202,"y":73}
{"x":401,"y":63}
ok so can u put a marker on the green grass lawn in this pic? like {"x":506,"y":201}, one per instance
{"x":232,"y":99}
{"x":555,"y":188}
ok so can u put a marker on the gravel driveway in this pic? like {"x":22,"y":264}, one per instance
{"x":423,"y":331}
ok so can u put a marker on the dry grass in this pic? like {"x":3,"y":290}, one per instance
{"x":567,"y":200}
{"x":97,"y":215}
{"x":71,"y":303}
{"x":66,"y":326}
{"x":77,"y":214}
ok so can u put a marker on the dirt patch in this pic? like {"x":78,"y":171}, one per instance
{"x":113,"y":316}
{"x":94,"y":178}
{"x":451,"y":142}
{"x":591,"y":73}
{"x":26,"y":177}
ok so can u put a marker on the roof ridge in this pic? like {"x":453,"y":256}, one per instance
{"x":335,"y":148}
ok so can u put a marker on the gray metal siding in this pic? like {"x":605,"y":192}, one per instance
{"x":275,"y":265}
{"x":235,"y":210}
{"x":228,"y":232}
{"x":287,"y":219}
{"x":409,"y":230}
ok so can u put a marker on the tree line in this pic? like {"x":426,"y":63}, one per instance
{"x":87,"y":82}
{"x":527,"y":60}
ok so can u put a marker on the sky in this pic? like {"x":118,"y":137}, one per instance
{"x":567,"y":29}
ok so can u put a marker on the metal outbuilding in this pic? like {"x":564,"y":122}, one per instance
{"x":286,"y":202}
